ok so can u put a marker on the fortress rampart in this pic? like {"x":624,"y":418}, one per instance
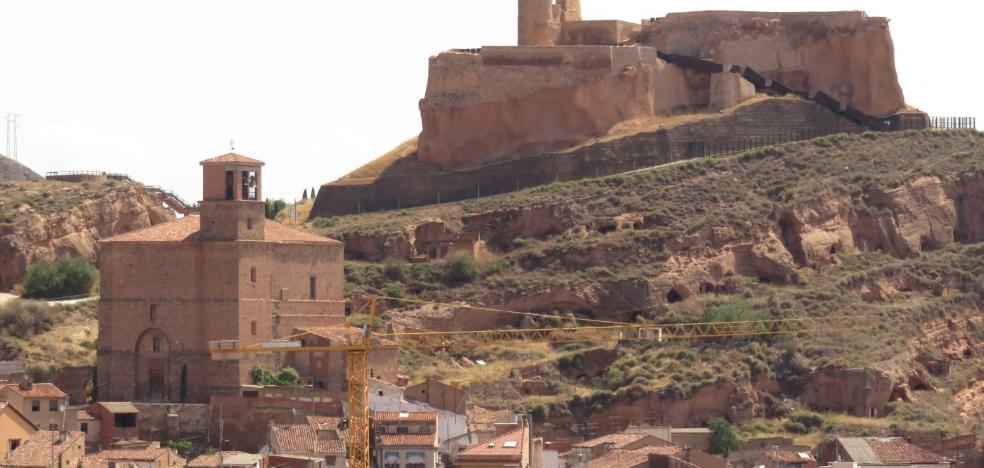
{"x":572,"y":79}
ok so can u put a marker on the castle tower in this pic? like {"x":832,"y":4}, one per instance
{"x":232,"y":204}
{"x":537,"y":23}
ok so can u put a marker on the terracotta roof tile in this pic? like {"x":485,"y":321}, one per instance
{"x":306,"y":439}
{"x":790,"y":456}
{"x":231,"y":158}
{"x":631,"y":458}
{"x":84,"y":415}
{"x":186,"y":229}
{"x":398,"y":416}
{"x":897,"y":450}
{"x":508,"y":444}
{"x":38,"y":390}
{"x":620,"y":439}
{"x":146,"y":454}
{"x":211,"y":459}
{"x":408,"y":440}
{"x":38,"y":449}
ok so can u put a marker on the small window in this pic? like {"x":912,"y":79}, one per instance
{"x":84,"y":427}
{"x":402,"y":430}
{"x":156,"y":344}
{"x":35,"y":406}
{"x":52,"y":405}
{"x":125,"y":419}
{"x":252,"y":275}
{"x":313,"y":288}
{"x":249,"y":224}
{"x":380,"y":393}
{"x":14,"y":443}
{"x":52,"y":427}
{"x":252,"y":327}
{"x":230,"y":185}
{"x":153,"y":312}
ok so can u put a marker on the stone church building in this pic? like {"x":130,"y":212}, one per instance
{"x":228,"y":274}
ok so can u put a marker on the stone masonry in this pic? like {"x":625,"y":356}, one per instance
{"x":168,"y":290}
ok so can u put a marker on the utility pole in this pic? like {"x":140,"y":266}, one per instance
{"x":12,"y":135}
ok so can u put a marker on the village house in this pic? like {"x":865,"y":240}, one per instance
{"x":582,"y":452}
{"x":81,"y":419}
{"x":229,"y":274}
{"x":48,"y":449}
{"x":322,"y":437}
{"x":15,"y":428}
{"x":228,"y":459}
{"x":452,"y":428}
{"x":152,"y":456}
{"x":871,"y":452}
{"x":406,"y":439}
{"x":327,"y":370}
{"x":772,"y":452}
{"x":43,"y":403}
{"x":510,"y":449}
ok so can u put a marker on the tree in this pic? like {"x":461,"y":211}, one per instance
{"x":304,"y":195}
{"x":272,"y":207}
{"x":66,"y":276}
{"x":95,"y":383}
{"x":724,"y":439}
{"x":183,"y":392}
{"x":314,"y":193}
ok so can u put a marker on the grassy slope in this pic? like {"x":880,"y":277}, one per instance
{"x":742,"y":192}
{"x":69,"y":339}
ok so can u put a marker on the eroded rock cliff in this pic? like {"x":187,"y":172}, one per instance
{"x":43,"y":220}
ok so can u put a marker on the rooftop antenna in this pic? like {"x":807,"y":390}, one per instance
{"x":12,"y":135}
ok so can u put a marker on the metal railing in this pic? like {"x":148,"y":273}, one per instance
{"x":953,"y":122}
{"x":69,"y":175}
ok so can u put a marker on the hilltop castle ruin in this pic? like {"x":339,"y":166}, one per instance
{"x":570,"y":80}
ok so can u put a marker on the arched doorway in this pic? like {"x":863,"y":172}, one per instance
{"x":152,"y":366}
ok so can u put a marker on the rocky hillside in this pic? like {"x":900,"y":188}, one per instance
{"x":45,"y":219}
{"x":883,"y":224}
{"x":13,"y":170}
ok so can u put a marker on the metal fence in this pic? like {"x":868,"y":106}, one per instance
{"x":953,"y":122}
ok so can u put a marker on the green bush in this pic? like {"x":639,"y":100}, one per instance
{"x":287,"y":377}
{"x":423,"y":273}
{"x":795,"y":427}
{"x":734,"y":311}
{"x":724,"y":439}
{"x":462,"y":269}
{"x":183,"y":446}
{"x":394,"y":290}
{"x":66,"y":276}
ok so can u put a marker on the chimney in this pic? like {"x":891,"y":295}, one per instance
{"x":26,"y":386}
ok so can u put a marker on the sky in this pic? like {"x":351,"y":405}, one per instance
{"x":317,"y":88}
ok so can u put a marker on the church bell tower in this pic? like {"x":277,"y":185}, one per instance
{"x":232,"y":205}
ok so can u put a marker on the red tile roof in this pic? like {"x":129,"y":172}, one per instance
{"x":306,"y":439}
{"x":231,"y":158}
{"x":84,"y":415}
{"x":330,"y":423}
{"x":897,"y":450}
{"x":631,"y":458}
{"x":398,"y":416}
{"x":619,"y":439}
{"x":146,"y":454}
{"x":38,"y":390}
{"x":790,"y":456}
{"x":211,"y":459}
{"x":186,"y":229}
{"x":497,"y":446}
{"x":39,"y":449}
{"x":408,"y":440}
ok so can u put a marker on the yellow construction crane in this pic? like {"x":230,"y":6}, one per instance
{"x":358,"y":368}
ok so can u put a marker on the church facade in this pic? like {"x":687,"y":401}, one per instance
{"x":226,"y":274}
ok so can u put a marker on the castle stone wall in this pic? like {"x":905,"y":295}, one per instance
{"x":763,"y":119}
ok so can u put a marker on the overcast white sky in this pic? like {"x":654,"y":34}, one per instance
{"x":316,"y":88}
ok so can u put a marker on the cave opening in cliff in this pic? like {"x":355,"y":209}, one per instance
{"x":789,"y":235}
{"x":673,"y":296}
